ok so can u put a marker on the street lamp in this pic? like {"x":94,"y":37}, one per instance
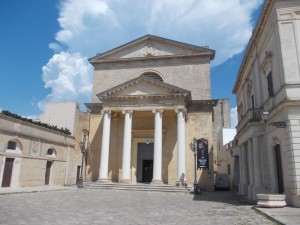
{"x":280,"y":124}
{"x":193,"y":147}
{"x":83,"y":148}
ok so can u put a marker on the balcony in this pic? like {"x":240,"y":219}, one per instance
{"x":252,"y":115}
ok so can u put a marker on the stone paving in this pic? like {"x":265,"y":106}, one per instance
{"x":86,"y":206}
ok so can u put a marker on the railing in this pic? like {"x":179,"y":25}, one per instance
{"x":251,"y":115}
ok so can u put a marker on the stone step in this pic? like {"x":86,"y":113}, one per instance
{"x":139,"y":187}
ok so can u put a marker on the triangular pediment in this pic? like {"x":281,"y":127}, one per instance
{"x":143,"y":88}
{"x":151,"y":46}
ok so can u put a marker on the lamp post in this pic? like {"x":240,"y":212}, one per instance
{"x":193,"y":147}
{"x":265,"y":116}
{"x":83,"y":149}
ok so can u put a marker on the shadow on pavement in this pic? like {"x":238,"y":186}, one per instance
{"x":228,"y":197}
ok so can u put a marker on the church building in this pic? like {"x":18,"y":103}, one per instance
{"x":151,"y":97}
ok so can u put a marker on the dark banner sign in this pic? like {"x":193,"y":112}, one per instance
{"x":202,"y":154}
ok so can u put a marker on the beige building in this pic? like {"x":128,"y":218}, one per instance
{"x":151,"y":97}
{"x":268,"y":83}
{"x":225,"y":161}
{"x":31,"y":155}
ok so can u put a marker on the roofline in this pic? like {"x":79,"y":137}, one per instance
{"x":149,"y":36}
{"x":256,"y":33}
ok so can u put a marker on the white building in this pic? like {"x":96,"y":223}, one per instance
{"x":269,"y":81}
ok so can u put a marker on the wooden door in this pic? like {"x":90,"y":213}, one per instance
{"x":78,"y":174}
{"x":8,"y":167}
{"x":279,"y":169}
{"x":147,"y":170}
{"x":47,"y":174}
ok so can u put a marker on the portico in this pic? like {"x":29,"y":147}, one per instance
{"x":147,"y":104}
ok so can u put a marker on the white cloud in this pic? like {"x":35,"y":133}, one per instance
{"x":223,"y":25}
{"x":98,"y":25}
{"x":234,"y":117}
{"x":68,"y":75}
{"x":92,"y":26}
{"x":55,"y":47}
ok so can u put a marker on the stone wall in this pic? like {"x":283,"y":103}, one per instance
{"x":31,"y":153}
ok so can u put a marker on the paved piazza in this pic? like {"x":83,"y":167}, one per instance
{"x":87,"y":206}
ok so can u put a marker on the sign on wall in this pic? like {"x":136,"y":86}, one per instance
{"x":202,"y":154}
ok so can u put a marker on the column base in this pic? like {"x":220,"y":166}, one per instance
{"x":156,"y":182}
{"x":244,"y":189}
{"x":125,"y":181}
{"x":250,"y":192}
{"x":181,"y":183}
{"x":104,"y":180}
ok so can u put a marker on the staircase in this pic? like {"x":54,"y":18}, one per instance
{"x":139,"y":187}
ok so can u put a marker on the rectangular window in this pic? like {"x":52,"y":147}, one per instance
{"x":270,"y":84}
{"x":12,"y":145}
{"x":228,"y":169}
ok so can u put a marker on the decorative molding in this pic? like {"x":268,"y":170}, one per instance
{"x":35,"y":147}
{"x":94,"y":107}
{"x":267,"y":60}
{"x":280,"y":124}
{"x":276,"y":141}
{"x":249,"y":85}
{"x":148,"y":50}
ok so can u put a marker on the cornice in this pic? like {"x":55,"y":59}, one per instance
{"x":256,"y":34}
{"x":94,"y":107}
{"x":149,"y":58}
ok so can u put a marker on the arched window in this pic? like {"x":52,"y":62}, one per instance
{"x":51,"y":152}
{"x":13,"y":146}
{"x":153,"y":75}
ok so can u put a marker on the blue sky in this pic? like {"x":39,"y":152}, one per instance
{"x":45,"y":44}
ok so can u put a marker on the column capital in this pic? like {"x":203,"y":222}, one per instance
{"x":105,"y":111}
{"x":158,"y":110}
{"x":183,"y":110}
{"x":127,"y":111}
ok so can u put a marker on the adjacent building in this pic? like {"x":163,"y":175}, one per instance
{"x":32,"y":155}
{"x":225,"y":161}
{"x":267,"y":90}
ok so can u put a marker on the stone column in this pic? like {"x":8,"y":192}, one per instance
{"x":257,"y":167}
{"x":181,"y":175}
{"x":241,"y":170}
{"x":127,"y":147}
{"x":245,"y":170}
{"x":157,"y":161}
{"x":103,"y":173}
{"x":250,"y":169}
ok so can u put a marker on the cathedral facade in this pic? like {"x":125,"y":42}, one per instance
{"x":151,"y":97}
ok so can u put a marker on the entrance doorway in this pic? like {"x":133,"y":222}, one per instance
{"x":147,"y":170}
{"x":144,"y":171}
{"x":279,"y":169}
{"x":8,"y":168}
{"x":47,"y":174}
